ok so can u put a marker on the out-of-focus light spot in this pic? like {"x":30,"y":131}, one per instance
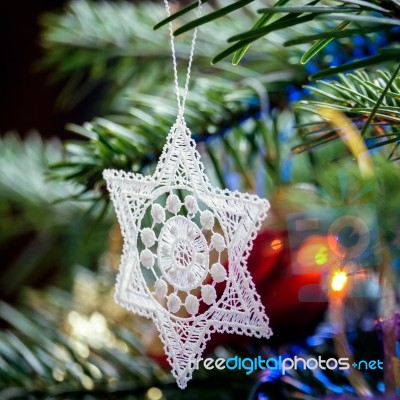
{"x":321,"y":257}
{"x":314,"y":341}
{"x":276,"y":244}
{"x":294,"y":93}
{"x":93,"y":330}
{"x":154,"y":394}
{"x":381,"y":387}
{"x":313,"y":253}
{"x":73,"y":317}
{"x":58,"y":375}
{"x":312,"y":67}
{"x":82,"y":349}
{"x":94,"y":371}
{"x":87,"y":382}
{"x":358,"y":40}
{"x":339,"y":281}
{"x":98,"y":321}
{"x":358,"y":52}
{"x":122,"y":346}
{"x":61,"y":352}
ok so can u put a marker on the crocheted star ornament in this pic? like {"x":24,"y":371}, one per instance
{"x":177,"y":231}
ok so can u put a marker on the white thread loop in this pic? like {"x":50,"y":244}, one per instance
{"x":181,"y":100}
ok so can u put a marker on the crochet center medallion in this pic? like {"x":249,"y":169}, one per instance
{"x":178,"y":231}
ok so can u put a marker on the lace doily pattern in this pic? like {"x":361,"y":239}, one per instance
{"x":178,"y":230}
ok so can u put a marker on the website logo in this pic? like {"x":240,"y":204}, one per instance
{"x":285,"y":364}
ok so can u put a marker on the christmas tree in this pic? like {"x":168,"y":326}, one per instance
{"x":296,"y":102}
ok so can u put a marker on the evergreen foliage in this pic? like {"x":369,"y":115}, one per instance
{"x":255,"y":114}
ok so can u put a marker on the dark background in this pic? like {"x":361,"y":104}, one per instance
{"x":27,"y":97}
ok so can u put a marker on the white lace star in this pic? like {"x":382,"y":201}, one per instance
{"x":177,"y":231}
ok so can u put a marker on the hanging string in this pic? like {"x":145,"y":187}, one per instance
{"x":181,"y":99}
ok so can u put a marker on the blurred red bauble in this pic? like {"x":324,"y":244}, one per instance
{"x":292,"y":300}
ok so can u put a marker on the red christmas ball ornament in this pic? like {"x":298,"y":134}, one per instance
{"x":293,"y":298}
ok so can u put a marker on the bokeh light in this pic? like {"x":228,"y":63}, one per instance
{"x":339,"y":281}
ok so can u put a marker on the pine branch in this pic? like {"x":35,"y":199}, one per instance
{"x":134,"y":141}
{"x":364,"y":97}
{"x":114,"y":45}
{"x":366,"y":14}
{"x":356,"y":94}
{"x":61,"y":363}
{"x":36,"y":222}
{"x":97,"y":353}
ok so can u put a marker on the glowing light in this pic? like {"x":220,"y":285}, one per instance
{"x":313,"y":254}
{"x":87,"y":382}
{"x":92,"y":329}
{"x":276,"y":244}
{"x":58,"y":374}
{"x":154,"y":394}
{"x":321,"y":257}
{"x":339,"y":281}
